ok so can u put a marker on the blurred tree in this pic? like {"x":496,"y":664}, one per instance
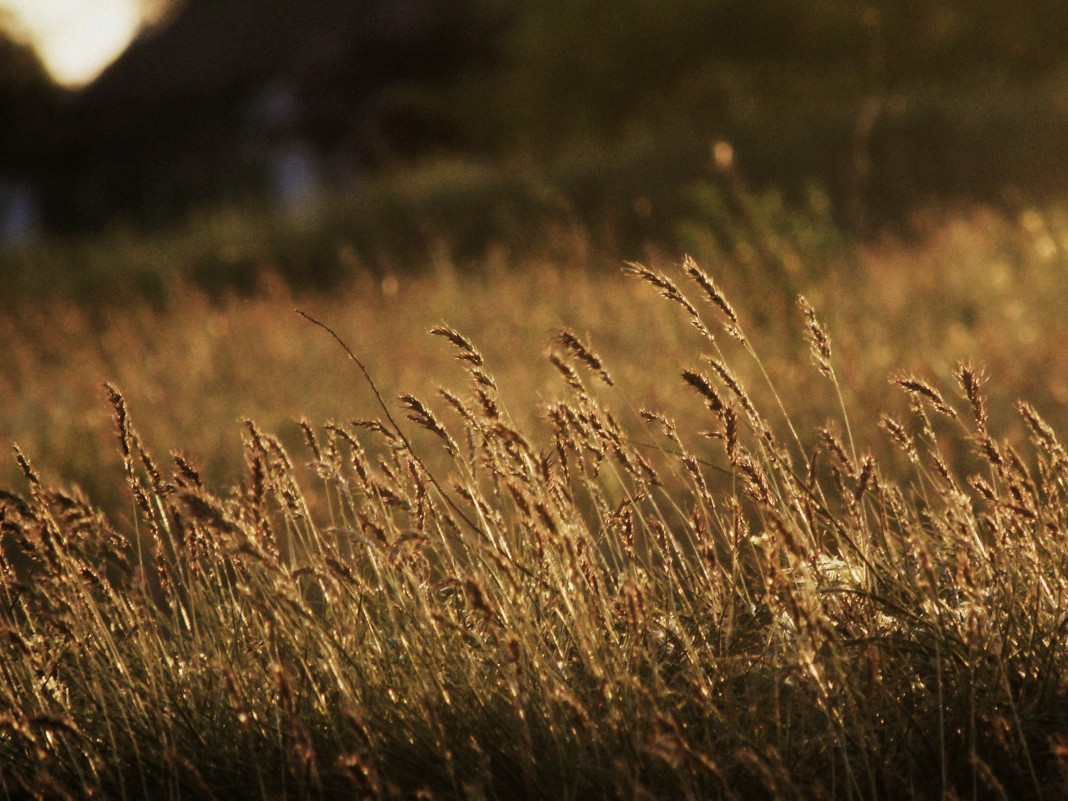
{"x":28,"y":98}
{"x":570,"y":70}
{"x":805,"y":88}
{"x":580,"y":69}
{"x":180,"y":119}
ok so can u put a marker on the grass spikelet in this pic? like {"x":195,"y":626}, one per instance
{"x":900,"y":435}
{"x":669,"y":290}
{"x":715,"y":297}
{"x":818,"y":341}
{"x":991,"y":451}
{"x":122,"y":418}
{"x":187,"y":475}
{"x":1041,"y":432}
{"x":377,"y":426}
{"x":571,"y":378}
{"x":734,"y":385}
{"x":756,"y":482}
{"x":692,"y":467}
{"x":730,"y":432}
{"x":487,"y":400}
{"x":457,"y":404}
{"x":832,"y":442}
{"x":570,"y":340}
{"x":210,"y":511}
{"x":311,"y":440}
{"x":10,"y":500}
{"x":419,"y":414}
{"x":26,"y":467}
{"x":484,"y":379}
{"x":866,"y":479}
{"x":982,"y":486}
{"x":665,"y":424}
{"x":704,"y":387}
{"x":920,"y":389}
{"x":971,"y":381}
{"x":943,"y":469}
{"x":468,"y":352}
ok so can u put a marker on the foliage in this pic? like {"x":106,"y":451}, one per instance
{"x":575,"y":71}
{"x":27,"y":98}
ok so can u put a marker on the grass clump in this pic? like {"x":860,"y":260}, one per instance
{"x":622,"y":603}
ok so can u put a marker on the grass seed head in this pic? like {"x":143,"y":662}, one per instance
{"x":735,"y":386}
{"x":467,"y":351}
{"x":901,"y":436}
{"x":311,"y":439}
{"x":122,"y":418}
{"x":419,"y":414}
{"x":1042,"y":434}
{"x":570,"y":340}
{"x":715,"y":297}
{"x":971,"y":381}
{"x":712,"y":291}
{"x":867,"y":477}
{"x":920,"y":389}
{"x":571,"y":378}
{"x":26,"y":467}
{"x":818,"y":340}
{"x":666,"y":286}
{"x":704,"y":387}
{"x":186,"y":473}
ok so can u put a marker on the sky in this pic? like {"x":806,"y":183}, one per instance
{"x":76,"y":39}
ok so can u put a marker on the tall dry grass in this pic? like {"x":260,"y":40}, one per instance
{"x":983,"y":289}
{"x":689,"y":556}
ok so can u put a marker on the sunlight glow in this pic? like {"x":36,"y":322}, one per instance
{"x":76,"y":39}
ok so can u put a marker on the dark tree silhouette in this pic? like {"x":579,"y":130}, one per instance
{"x":182,"y":117}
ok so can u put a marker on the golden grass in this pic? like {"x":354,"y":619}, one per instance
{"x":649,"y":566}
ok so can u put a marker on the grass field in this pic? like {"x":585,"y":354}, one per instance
{"x":550,"y":531}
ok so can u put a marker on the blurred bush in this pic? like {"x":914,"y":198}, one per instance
{"x":580,"y":119}
{"x":569,"y":71}
{"x":885,"y":104}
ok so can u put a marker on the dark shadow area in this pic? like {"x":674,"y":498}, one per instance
{"x":337,"y":116}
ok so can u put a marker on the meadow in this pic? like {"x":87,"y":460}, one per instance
{"x":530,"y":527}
